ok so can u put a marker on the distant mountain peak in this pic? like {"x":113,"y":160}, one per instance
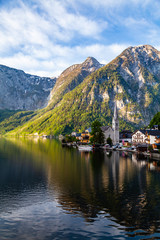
{"x":72,"y":77}
{"x":91,"y":64}
{"x":143,"y":49}
{"x":91,"y":60}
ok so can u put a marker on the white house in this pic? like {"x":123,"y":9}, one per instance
{"x":139,"y":136}
{"x":152,"y":136}
{"x":145,"y":136}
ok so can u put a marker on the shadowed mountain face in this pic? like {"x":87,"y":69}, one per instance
{"x":19,"y":90}
{"x":88,"y":91}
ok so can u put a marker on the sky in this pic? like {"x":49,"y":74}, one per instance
{"x":44,"y":37}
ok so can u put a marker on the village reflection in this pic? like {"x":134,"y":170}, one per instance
{"x":89,"y":183}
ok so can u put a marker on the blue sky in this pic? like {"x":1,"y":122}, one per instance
{"x":44,"y":37}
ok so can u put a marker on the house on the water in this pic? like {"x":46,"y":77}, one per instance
{"x":148,"y":136}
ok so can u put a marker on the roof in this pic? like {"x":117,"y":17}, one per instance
{"x":153,"y":132}
{"x":150,"y":132}
{"x":142,"y":146}
{"x":105,"y":128}
{"x":89,"y":130}
{"x":78,"y":134}
{"x":126,"y":131}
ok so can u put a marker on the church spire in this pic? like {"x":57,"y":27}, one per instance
{"x":115,"y":125}
{"x":115,"y":111}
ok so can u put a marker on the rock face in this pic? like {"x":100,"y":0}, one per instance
{"x":71,"y":78}
{"x":139,"y":70}
{"x":19,"y":90}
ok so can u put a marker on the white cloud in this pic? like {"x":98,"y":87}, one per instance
{"x":48,"y":36}
{"x":30,"y":35}
{"x":63,"y":58}
{"x":112,"y":3}
{"x":103,"y":53}
{"x":21,"y":26}
{"x":75,"y":22}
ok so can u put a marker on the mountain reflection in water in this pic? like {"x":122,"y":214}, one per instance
{"x":116,"y":191}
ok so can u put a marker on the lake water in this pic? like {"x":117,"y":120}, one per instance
{"x":49,"y":192}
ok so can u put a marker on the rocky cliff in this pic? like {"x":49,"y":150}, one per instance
{"x":138,"y":96}
{"x":19,"y":90}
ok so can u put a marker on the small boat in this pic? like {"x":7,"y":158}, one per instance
{"x":106,"y":146}
{"x":85,"y":148}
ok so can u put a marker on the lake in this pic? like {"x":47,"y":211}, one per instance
{"x":50,"y":192}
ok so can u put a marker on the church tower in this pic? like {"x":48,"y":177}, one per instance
{"x":115,"y":125}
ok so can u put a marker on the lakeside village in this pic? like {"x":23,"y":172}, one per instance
{"x":143,"y":142}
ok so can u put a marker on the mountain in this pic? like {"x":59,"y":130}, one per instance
{"x":139,"y":70}
{"x":67,"y":81}
{"x":132,"y":80}
{"x":23,"y":91}
{"x":71,"y":78}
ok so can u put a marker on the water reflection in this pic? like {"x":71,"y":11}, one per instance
{"x":116,"y":186}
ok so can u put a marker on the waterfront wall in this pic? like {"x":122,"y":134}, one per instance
{"x":155,"y":156}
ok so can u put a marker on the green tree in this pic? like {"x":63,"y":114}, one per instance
{"x":150,"y":148}
{"x":109,"y":141}
{"x":97,"y":134}
{"x":155,"y":120}
{"x":69,"y":138}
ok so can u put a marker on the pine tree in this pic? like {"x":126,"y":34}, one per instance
{"x":97,"y":134}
